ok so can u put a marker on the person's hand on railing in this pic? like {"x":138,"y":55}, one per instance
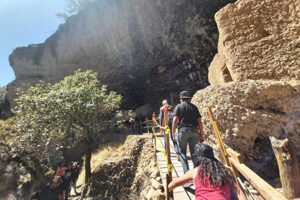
{"x":175,"y":140}
{"x":201,"y":138}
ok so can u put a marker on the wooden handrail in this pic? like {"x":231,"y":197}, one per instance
{"x":266,"y":190}
{"x":169,"y":194}
{"x":236,"y":164}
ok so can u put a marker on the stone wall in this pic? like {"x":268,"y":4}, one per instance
{"x":132,"y":174}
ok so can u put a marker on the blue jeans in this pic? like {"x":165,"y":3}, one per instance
{"x":190,"y":137}
{"x":174,"y":143}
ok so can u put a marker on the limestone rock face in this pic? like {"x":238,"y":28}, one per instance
{"x":143,"y":49}
{"x":250,"y":111}
{"x":255,"y":82}
{"x":259,"y":39}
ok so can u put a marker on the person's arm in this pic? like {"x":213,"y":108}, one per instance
{"x":174,"y":126}
{"x":188,"y":176}
{"x":161,"y":115}
{"x":200,"y":125}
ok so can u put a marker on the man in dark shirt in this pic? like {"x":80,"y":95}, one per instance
{"x":74,"y":176}
{"x":188,"y":119}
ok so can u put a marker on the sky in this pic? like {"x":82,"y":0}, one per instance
{"x":24,"y":22}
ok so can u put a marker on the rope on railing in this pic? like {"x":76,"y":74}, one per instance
{"x":167,"y":130}
{"x":171,"y":165}
{"x":163,"y":127}
{"x":168,"y":157}
{"x":160,"y":146}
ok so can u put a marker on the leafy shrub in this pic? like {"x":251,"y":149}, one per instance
{"x":50,"y":118}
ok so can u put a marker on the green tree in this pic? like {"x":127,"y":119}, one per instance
{"x":24,"y":143}
{"x":69,"y":111}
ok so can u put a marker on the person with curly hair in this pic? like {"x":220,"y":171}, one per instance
{"x":212,"y":180}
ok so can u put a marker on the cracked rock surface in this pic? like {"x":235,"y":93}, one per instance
{"x":255,"y":82}
{"x":143,"y":49}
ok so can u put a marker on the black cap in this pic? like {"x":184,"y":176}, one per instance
{"x":204,"y":150}
{"x":185,"y":95}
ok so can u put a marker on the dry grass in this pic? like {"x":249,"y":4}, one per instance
{"x":101,"y":155}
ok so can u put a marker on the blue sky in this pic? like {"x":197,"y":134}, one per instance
{"x":24,"y":22}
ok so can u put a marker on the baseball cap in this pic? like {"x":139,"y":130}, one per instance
{"x":185,"y":95}
{"x":75,"y":164}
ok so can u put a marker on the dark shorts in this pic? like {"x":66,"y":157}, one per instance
{"x":64,"y":185}
{"x":50,"y":194}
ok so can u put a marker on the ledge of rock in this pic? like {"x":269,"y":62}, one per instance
{"x":250,"y":111}
{"x":143,"y":49}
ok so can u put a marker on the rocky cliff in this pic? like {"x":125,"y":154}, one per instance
{"x":143,"y":49}
{"x":254,"y":77}
{"x":258,"y":40}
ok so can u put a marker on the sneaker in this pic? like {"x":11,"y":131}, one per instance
{"x":188,"y":184}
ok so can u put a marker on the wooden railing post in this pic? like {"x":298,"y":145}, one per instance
{"x":148,"y":127}
{"x":166,"y":118}
{"x":169,"y":180}
{"x":288,"y":166}
{"x":167,"y":190}
{"x":153,"y":130}
{"x":222,"y":148}
{"x":266,"y":190}
{"x":167,"y":138}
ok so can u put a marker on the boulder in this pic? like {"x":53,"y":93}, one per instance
{"x":158,"y":195}
{"x":158,"y":179}
{"x":155,"y":173}
{"x":250,"y":111}
{"x":255,"y":80}
{"x":155,"y":184}
{"x":150,"y":193}
{"x":258,"y":39}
